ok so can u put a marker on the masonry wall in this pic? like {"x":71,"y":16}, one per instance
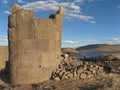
{"x":34,"y":45}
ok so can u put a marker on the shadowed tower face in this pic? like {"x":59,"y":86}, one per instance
{"x":34,"y":45}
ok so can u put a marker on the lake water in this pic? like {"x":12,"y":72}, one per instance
{"x":92,"y":54}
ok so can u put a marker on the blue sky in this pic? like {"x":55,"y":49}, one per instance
{"x":85,"y":21}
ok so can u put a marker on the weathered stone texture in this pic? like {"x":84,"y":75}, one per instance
{"x":34,"y":45}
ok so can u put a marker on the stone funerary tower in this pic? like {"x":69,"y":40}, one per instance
{"x":34,"y":45}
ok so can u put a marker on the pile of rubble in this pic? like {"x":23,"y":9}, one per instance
{"x":74,"y":69}
{"x":110,"y":62}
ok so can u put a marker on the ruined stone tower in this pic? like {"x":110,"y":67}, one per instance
{"x":34,"y":45}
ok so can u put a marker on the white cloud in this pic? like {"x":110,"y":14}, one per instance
{"x":3,"y":40}
{"x":5,"y":1}
{"x":92,"y":22}
{"x":112,"y":40}
{"x":7,"y":12}
{"x":78,"y":1}
{"x":41,"y":5}
{"x":21,"y":1}
{"x":93,"y":0}
{"x":90,"y":0}
{"x":70,"y":42}
{"x":82,"y":42}
{"x":85,"y":42}
{"x":119,"y":6}
{"x":81,"y":17}
{"x":72,"y":10}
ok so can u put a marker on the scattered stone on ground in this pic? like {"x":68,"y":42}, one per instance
{"x":110,"y":62}
{"x":74,"y":69}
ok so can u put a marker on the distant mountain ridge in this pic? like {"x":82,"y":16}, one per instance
{"x":99,"y":48}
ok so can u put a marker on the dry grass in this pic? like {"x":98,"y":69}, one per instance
{"x":3,"y":56}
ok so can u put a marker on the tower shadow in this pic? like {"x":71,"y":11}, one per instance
{"x":5,"y":73}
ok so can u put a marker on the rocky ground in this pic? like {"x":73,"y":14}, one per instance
{"x":110,"y":62}
{"x":74,"y":69}
{"x":102,"y":82}
{"x":94,"y":73}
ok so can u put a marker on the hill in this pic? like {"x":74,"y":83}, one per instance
{"x":99,"y":48}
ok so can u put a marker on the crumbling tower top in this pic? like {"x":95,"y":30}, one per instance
{"x":15,"y":7}
{"x":61,"y":11}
